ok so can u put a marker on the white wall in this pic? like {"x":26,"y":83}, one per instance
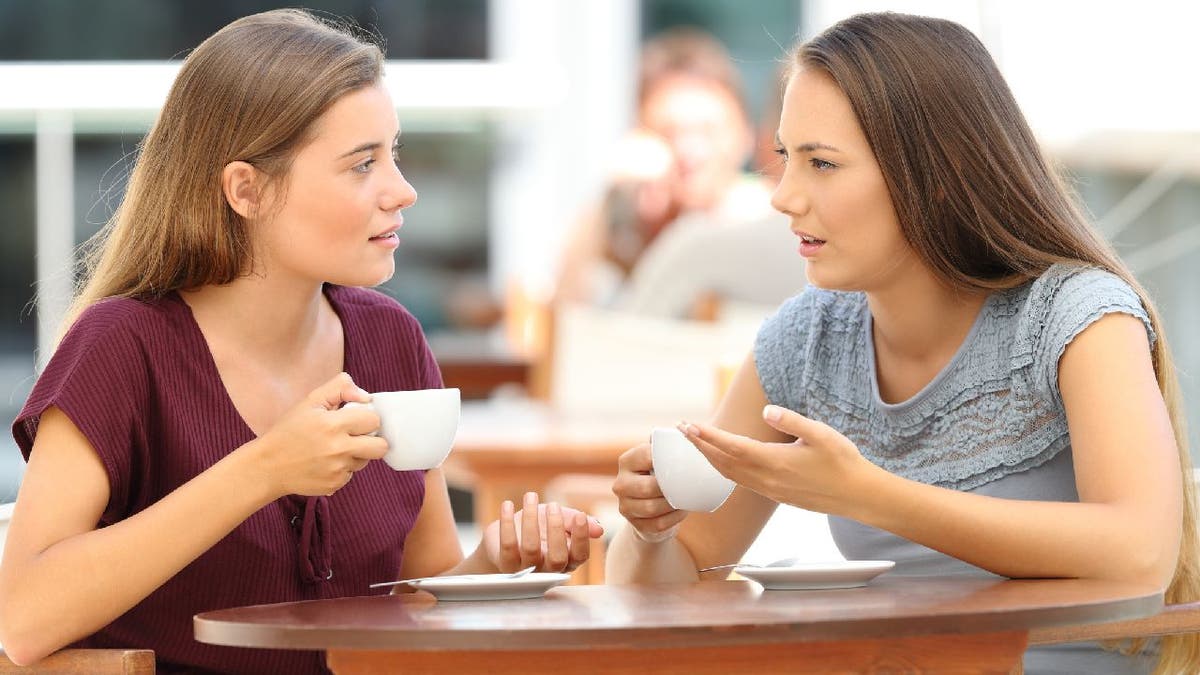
{"x":1075,"y":66}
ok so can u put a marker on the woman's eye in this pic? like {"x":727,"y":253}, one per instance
{"x":783,"y":156}
{"x":396,"y":152}
{"x":821,"y":165}
{"x":364,"y":167}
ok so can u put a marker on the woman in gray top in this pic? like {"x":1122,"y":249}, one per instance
{"x":971,"y":357}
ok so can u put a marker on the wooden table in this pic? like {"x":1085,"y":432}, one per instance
{"x":895,"y":624}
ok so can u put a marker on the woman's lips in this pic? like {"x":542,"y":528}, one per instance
{"x":809,"y":245}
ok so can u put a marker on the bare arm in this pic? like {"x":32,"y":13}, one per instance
{"x":1127,"y":523}
{"x":62,"y":579}
{"x":432,"y":547}
{"x":1125,"y":526}
{"x":703,"y":538}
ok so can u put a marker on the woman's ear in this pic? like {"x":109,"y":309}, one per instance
{"x":241,"y":185}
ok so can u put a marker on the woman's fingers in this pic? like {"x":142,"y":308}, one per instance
{"x":580,"y":545}
{"x":636,"y":460}
{"x":531,"y":536}
{"x":636,"y":486}
{"x":646,"y":508}
{"x":556,"y":540}
{"x":510,"y":554}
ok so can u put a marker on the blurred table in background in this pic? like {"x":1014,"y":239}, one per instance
{"x":479,"y":363}
{"x":508,"y":446}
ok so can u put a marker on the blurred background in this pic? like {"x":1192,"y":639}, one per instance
{"x":514,"y":113}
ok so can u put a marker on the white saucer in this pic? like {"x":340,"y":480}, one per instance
{"x":491,"y":586}
{"x":815,"y":576}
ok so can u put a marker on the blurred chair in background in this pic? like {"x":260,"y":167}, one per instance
{"x":706,"y":272}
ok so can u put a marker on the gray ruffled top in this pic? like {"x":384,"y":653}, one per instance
{"x":992,"y":422}
{"x":994,"y":410}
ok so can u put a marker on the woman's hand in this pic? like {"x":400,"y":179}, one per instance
{"x":818,"y":471}
{"x":550,"y":537}
{"x":641,"y":500}
{"x":317,"y":446}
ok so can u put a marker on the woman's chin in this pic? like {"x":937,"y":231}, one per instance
{"x":363,"y":278}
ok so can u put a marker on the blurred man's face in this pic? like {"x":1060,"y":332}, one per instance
{"x":707,"y":132}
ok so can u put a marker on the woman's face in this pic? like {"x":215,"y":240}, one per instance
{"x":343,"y":196}
{"x":834,"y":192}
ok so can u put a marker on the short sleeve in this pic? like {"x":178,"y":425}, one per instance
{"x":1071,"y":299}
{"x":97,"y":377}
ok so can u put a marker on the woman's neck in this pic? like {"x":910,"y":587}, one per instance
{"x":921,"y":319}
{"x":270,"y":319}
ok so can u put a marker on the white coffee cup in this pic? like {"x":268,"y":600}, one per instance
{"x":687,"y":479}
{"x":419,"y":425}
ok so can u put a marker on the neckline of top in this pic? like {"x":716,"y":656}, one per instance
{"x":937,"y":380}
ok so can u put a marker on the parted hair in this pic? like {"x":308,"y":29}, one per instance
{"x":976,"y":198}
{"x":250,"y":92}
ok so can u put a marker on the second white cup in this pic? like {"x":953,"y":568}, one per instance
{"x":687,"y":480}
{"x":419,"y":425}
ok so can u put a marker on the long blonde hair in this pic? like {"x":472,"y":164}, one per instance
{"x":250,"y":92}
{"x":976,"y":198}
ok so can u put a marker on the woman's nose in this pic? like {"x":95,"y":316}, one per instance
{"x":788,"y":198}
{"x":400,"y":194}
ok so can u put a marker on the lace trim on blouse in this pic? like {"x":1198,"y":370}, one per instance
{"x":994,"y":410}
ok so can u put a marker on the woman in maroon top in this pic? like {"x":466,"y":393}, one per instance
{"x":187,"y":447}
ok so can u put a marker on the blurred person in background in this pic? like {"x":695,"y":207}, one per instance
{"x":973,"y":383}
{"x":187,"y":446}
{"x":683,"y":161}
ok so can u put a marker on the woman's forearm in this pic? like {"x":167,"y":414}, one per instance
{"x":82,"y":583}
{"x":1017,"y":538}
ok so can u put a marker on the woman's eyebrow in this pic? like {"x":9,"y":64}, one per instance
{"x":807,"y":147}
{"x":370,"y":145}
{"x":362,"y":148}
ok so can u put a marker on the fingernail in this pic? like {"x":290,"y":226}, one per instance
{"x":688,"y":429}
{"x":772,"y":413}
{"x":530,"y":497}
{"x":506,"y":508}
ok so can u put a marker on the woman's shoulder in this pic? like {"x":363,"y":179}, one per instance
{"x":114,"y":317}
{"x":1067,"y":294}
{"x":1071,"y":281}
{"x":1053,"y":309}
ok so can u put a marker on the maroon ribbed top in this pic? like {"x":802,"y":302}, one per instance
{"x":139,"y":381}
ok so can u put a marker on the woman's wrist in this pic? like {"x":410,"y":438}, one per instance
{"x":244,"y":470}
{"x":654,"y":538}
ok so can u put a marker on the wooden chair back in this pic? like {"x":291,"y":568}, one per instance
{"x":86,"y":662}
{"x":1172,"y":620}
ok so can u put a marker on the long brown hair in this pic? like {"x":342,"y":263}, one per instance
{"x":975,"y":197}
{"x":250,"y":92}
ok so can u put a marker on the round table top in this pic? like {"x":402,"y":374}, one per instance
{"x":680,"y":615}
